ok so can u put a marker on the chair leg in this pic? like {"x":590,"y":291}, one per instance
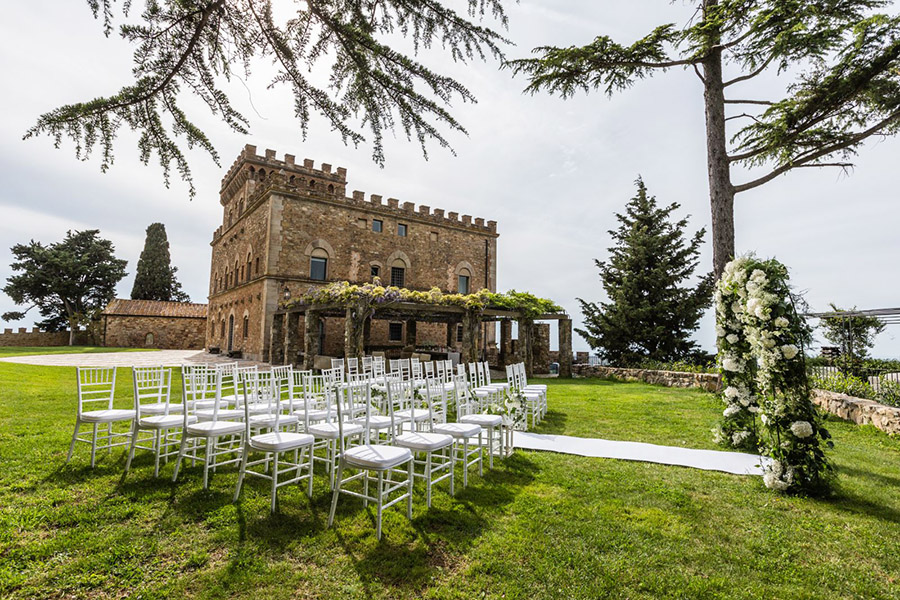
{"x":181,"y":451}
{"x":466,"y":462}
{"x":74,"y":439}
{"x":379,"y":503}
{"x":490,"y":434}
{"x":452,"y":450}
{"x":109,"y":438}
{"x":274,"y":481}
{"x":206,"y":465}
{"x":242,"y":470}
{"x":158,"y":448}
{"x":309,"y":456}
{"x":134,"y":436}
{"x":481,"y":453}
{"x":427,"y":479}
{"x":94,"y":446}
{"x":409,"y":490}
{"x":334,"y":494}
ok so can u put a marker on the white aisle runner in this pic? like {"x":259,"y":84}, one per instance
{"x":710,"y":460}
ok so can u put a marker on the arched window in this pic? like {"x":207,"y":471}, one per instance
{"x":246,"y":326}
{"x":262,"y":174}
{"x":330,"y":188}
{"x":249,"y":263}
{"x":318,"y":264}
{"x":223,"y":328}
{"x":462,"y":281}
{"x":148,"y":341}
{"x":312,"y":184}
{"x":257,"y":265}
{"x":237,"y":270}
{"x":398,"y":273}
{"x":241,"y":207}
{"x":291,"y":180}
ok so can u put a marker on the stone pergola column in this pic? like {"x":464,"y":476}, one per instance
{"x":311,"y":338}
{"x":411,"y":333}
{"x":276,"y":342}
{"x":451,"y":334}
{"x":291,"y":338}
{"x":565,"y":347}
{"x":471,"y":325}
{"x":505,"y":349}
{"x":526,"y":338}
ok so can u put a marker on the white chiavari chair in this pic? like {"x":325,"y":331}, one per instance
{"x":470,"y":410}
{"x":152,"y":390}
{"x":96,"y":393}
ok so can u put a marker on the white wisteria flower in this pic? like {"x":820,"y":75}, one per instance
{"x":801,"y":429}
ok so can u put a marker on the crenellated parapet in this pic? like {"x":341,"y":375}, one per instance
{"x":252,"y":176}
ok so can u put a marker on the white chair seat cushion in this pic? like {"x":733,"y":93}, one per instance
{"x":165,"y":421}
{"x":215,"y":428}
{"x":279,"y":441}
{"x":424,"y":442}
{"x":458,"y":430}
{"x":269,"y":420}
{"x":330,"y":430}
{"x":530,"y":395}
{"x":158,"y":408}
{"x":315,"y":414}
{"x":407,"y":415}
{"x":483,"y":420}
{"x":499,"y":385}
{"x":224,"y":414}
{"x":377,"y":456}
{"x":107,"y":416}
{"x":375,"y":422}
{"x":203,"y":404}
{"x":536,"y":386}
{"x":259,"y":408}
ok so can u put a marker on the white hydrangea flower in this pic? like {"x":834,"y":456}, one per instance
{"x":781,"y":322}
{"x":720,"y":331}
{"x":758,"y":276}
{"x":731,"y":411}
{"x":732,"y":338}
{"x":773,"y":482}
{"x":790,"y":351}
{"x":739,"y":437}
{"x":801,"y":429}
{"x":731,"y":392}
{"x":735,"y":366}
{"x":753,"y":409}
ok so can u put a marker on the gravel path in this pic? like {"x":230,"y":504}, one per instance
{"x":123,"y":359}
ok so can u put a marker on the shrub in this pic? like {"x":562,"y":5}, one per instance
{"x":888,"y":391}
{"x":844,"y":384}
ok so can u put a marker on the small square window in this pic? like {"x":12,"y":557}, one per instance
{"x":401,"y":229}
{"x":395,"y":332}
{"x":375,"y":271}
{"x":434,"y":236}
{"x":377,"y":225}
{"x":459,"y":332}
{"x":463,"y":284}
{"x":317,"y":268}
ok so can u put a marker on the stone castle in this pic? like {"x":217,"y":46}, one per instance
{"x":288,"y":227}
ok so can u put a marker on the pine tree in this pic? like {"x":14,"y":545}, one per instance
{"x":155,"y":277}
{"x":651,"y":313}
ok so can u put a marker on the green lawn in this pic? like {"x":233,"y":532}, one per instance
{"x":30,"y":350}
{"x":541,"y":525}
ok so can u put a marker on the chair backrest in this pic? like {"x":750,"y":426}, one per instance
{"x":282,"y":371}
{"x":152,"y":385}
{"x":229,"y":382}
{"x":378,"y":366}
{"x":96,"y":388}
{"x":473,"y":375}
{"x":437,"y":398}
{"x":337,"y":363}
{"x":462,"y":396}
{"x":199,"y":382}
{"x":260,"y":386}
{"x":352,"y":366}
{"x":485,"y":373}
{"x":428,"y":369}
{"x":333,"y":376}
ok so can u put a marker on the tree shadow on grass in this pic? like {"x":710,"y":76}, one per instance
{"x":858,"y":505}
{"x":879,"y":478}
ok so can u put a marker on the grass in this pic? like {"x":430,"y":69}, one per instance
{"x":540,"y":525}
{"x":32,"y":350}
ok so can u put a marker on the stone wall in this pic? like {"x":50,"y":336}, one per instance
{"x":180,"y":333}
{"x":707,"y":381}
{"x":36,"y":337}
{"x":858,"y":410}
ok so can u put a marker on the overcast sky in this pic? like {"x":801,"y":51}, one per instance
{"x":552,"y":172}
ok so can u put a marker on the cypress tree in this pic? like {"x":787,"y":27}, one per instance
{"x":650,"y":313}
{"x":155,"y":277}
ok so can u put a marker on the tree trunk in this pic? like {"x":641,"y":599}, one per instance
{"x":721,"y":192}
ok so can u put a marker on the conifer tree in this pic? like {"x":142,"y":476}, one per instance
{"x":155,"y":277}
{"x":651,"y":313}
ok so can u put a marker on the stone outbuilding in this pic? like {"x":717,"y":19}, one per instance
{"x":153,"y":324}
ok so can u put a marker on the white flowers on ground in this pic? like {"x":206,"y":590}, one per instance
{"x":801,"y":429}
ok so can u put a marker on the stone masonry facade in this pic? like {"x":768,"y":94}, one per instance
{"x":153,"y":324}
{"x":288,"y":227}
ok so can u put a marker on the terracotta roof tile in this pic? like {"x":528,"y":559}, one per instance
{"x":155,"y":308}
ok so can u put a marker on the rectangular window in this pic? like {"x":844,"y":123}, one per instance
{"x":398,"y":276}
{"x":401,"y":229}
{"x":257,"y":265}
{"x":375,"y":271}
{"x":317,"y":268}
{"x":459,"y":332}
{"x":463,"y":284}
{"x":377,"y":225}
{"x":246,"y":326}
{"x":395,"y":332}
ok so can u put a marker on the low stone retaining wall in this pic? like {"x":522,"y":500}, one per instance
{"x":707,"y":381}
{"x":859,"y":410}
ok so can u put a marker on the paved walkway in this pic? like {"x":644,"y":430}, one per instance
{"x":737,"y":463}
{"x":150,"y":358}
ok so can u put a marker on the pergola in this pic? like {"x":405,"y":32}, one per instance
{"x":286,"y":340}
